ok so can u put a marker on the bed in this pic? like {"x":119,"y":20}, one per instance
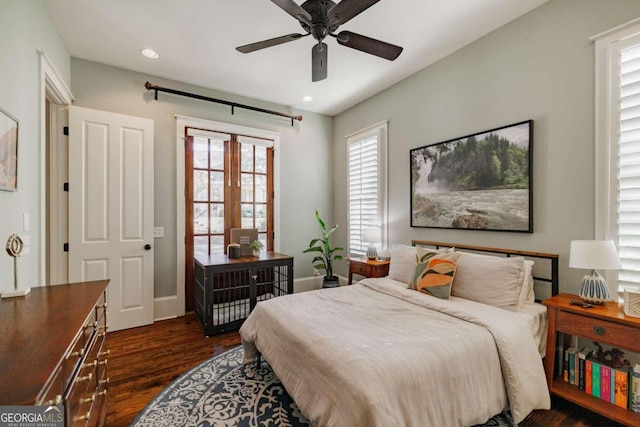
{"x":379,"y":353}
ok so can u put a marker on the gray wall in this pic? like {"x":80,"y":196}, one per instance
{"x":305,"y":150}
{"x":25,"y":29}
{"x":540,"y":67}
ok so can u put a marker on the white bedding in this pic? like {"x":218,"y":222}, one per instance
{"x":376,"y":354}
{"x":536,"y":317}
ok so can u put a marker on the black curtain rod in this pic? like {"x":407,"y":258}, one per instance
{"x":233,"y":105}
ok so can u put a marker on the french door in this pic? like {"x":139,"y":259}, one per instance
{"x":228,"y":184}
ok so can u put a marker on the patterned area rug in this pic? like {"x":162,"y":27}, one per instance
{"x":224,"y":392}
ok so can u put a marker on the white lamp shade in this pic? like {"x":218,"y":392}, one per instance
{"x":371,"y":235}
{"x":594,"y":254}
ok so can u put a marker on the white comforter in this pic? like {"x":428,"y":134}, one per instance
{"x":375,"y":354}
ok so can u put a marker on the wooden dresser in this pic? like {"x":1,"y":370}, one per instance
{"x":53,"y":350}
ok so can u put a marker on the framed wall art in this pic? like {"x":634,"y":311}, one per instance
{"x":8,"y":152}
{"x":477,"y":182}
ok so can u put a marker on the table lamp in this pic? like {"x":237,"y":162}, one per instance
{"x":372,"y":236}
{"x":594,"y":255}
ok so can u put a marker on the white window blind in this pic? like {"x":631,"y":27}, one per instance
{"x":628,"y":107}
{"x":366,"y":185}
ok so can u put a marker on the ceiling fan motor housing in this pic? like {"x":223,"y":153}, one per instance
{"x":319,"y":27}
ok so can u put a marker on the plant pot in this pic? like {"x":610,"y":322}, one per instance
{"x":256,"y":253}
{"x":330,"y":282}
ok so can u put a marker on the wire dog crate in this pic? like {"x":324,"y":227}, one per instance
{"x":227,"y":289}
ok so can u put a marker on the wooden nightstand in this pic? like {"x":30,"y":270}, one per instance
{"x":603,"y":323}
{"x":367,"y":268}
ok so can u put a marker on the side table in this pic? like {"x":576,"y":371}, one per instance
{"x":367,"y":268}
{"x":605,"y":323}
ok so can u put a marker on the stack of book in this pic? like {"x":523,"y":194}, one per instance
{"x":619,"y":386}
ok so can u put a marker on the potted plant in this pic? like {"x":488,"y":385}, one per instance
{"x":326,"y":254}
{"x":256,"y":246}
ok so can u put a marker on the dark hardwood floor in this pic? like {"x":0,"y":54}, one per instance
{"x":144,"y":360}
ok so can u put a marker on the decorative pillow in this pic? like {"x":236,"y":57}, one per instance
{"x":491,"y":280}
{"x":435,"y":273}
{"x":403,"y":263}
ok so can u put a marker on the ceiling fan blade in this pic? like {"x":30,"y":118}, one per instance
{"x":367,"y":44}
{"x":293,"y":9}
{"x":319,"y":62}
{"x":268,"y":43}
{"x":347,"y":9}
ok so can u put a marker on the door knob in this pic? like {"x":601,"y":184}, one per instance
{"x":147,"y":247}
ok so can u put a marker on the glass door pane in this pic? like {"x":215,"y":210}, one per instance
{"x":208,"y":195}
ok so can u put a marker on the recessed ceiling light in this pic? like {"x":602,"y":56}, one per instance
{"x":149,"y":53}
{"x":307,"y":98}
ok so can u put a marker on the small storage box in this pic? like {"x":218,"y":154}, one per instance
{"x":632,"y":301}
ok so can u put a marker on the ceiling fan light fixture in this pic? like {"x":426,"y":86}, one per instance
{"x":307,"y":98}
{"x":149,"y":53}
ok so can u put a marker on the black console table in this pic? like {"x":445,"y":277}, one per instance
{"x":227,"y":289}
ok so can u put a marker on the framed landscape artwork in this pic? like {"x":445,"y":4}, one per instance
{"x":478,"y":182}
{"x":8,"y":152}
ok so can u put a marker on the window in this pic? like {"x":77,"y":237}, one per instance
{"x":618,"y":148}
{"x":367,"y":185}
{"x":229,"y":183}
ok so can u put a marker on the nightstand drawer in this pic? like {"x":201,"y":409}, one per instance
{"x":361,"y":268}
{"x":598,"y":330}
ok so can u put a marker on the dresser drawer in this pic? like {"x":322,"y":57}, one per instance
{"x":86,"y":394}
{"x":599,"y":330}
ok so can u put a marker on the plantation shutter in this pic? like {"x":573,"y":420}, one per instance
{"x":629,"y":164}
{"x":366,"y":188}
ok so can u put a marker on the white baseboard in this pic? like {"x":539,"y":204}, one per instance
{"x":165,"y":308}
{"x":312,"y":283}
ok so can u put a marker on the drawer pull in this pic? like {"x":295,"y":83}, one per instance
{"x":103,"y":392}
{"x":90,"y":364}
{"x":92,"y":325}
{"x":89,"y":399}
{"x":103,"y":362}
{"x":79,"y":353}
{"x":85,"y":378}
{"x":104,"y":353}
{"x":105,"y":382}
{"x":84,"y":417}
{"x":54,"y":402}
{"x":599,"y":330}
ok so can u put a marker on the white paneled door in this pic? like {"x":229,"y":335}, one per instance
{"x":111,"y":210}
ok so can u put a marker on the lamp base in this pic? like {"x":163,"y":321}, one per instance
{"x":594,"y":289}
{"x":13,"y":294}
{"x":372,"y":252}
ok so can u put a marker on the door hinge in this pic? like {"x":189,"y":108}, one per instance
{"x":65,"y":131}
{"x":65,"y":186}
{"x":65,"y":247}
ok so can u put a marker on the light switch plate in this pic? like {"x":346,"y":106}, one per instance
{"x":158,"y":231}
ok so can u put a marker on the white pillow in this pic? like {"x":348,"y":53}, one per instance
{"x":527,"y":296}
{"x":402,"y":266}
{"x":492,"y":280}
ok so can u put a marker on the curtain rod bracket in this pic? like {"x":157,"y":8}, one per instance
{"x":157,"y":89}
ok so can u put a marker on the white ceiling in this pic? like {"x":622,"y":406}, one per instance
{"x":196,"y":40}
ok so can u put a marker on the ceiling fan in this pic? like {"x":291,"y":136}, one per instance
{"x":321,"y":18}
